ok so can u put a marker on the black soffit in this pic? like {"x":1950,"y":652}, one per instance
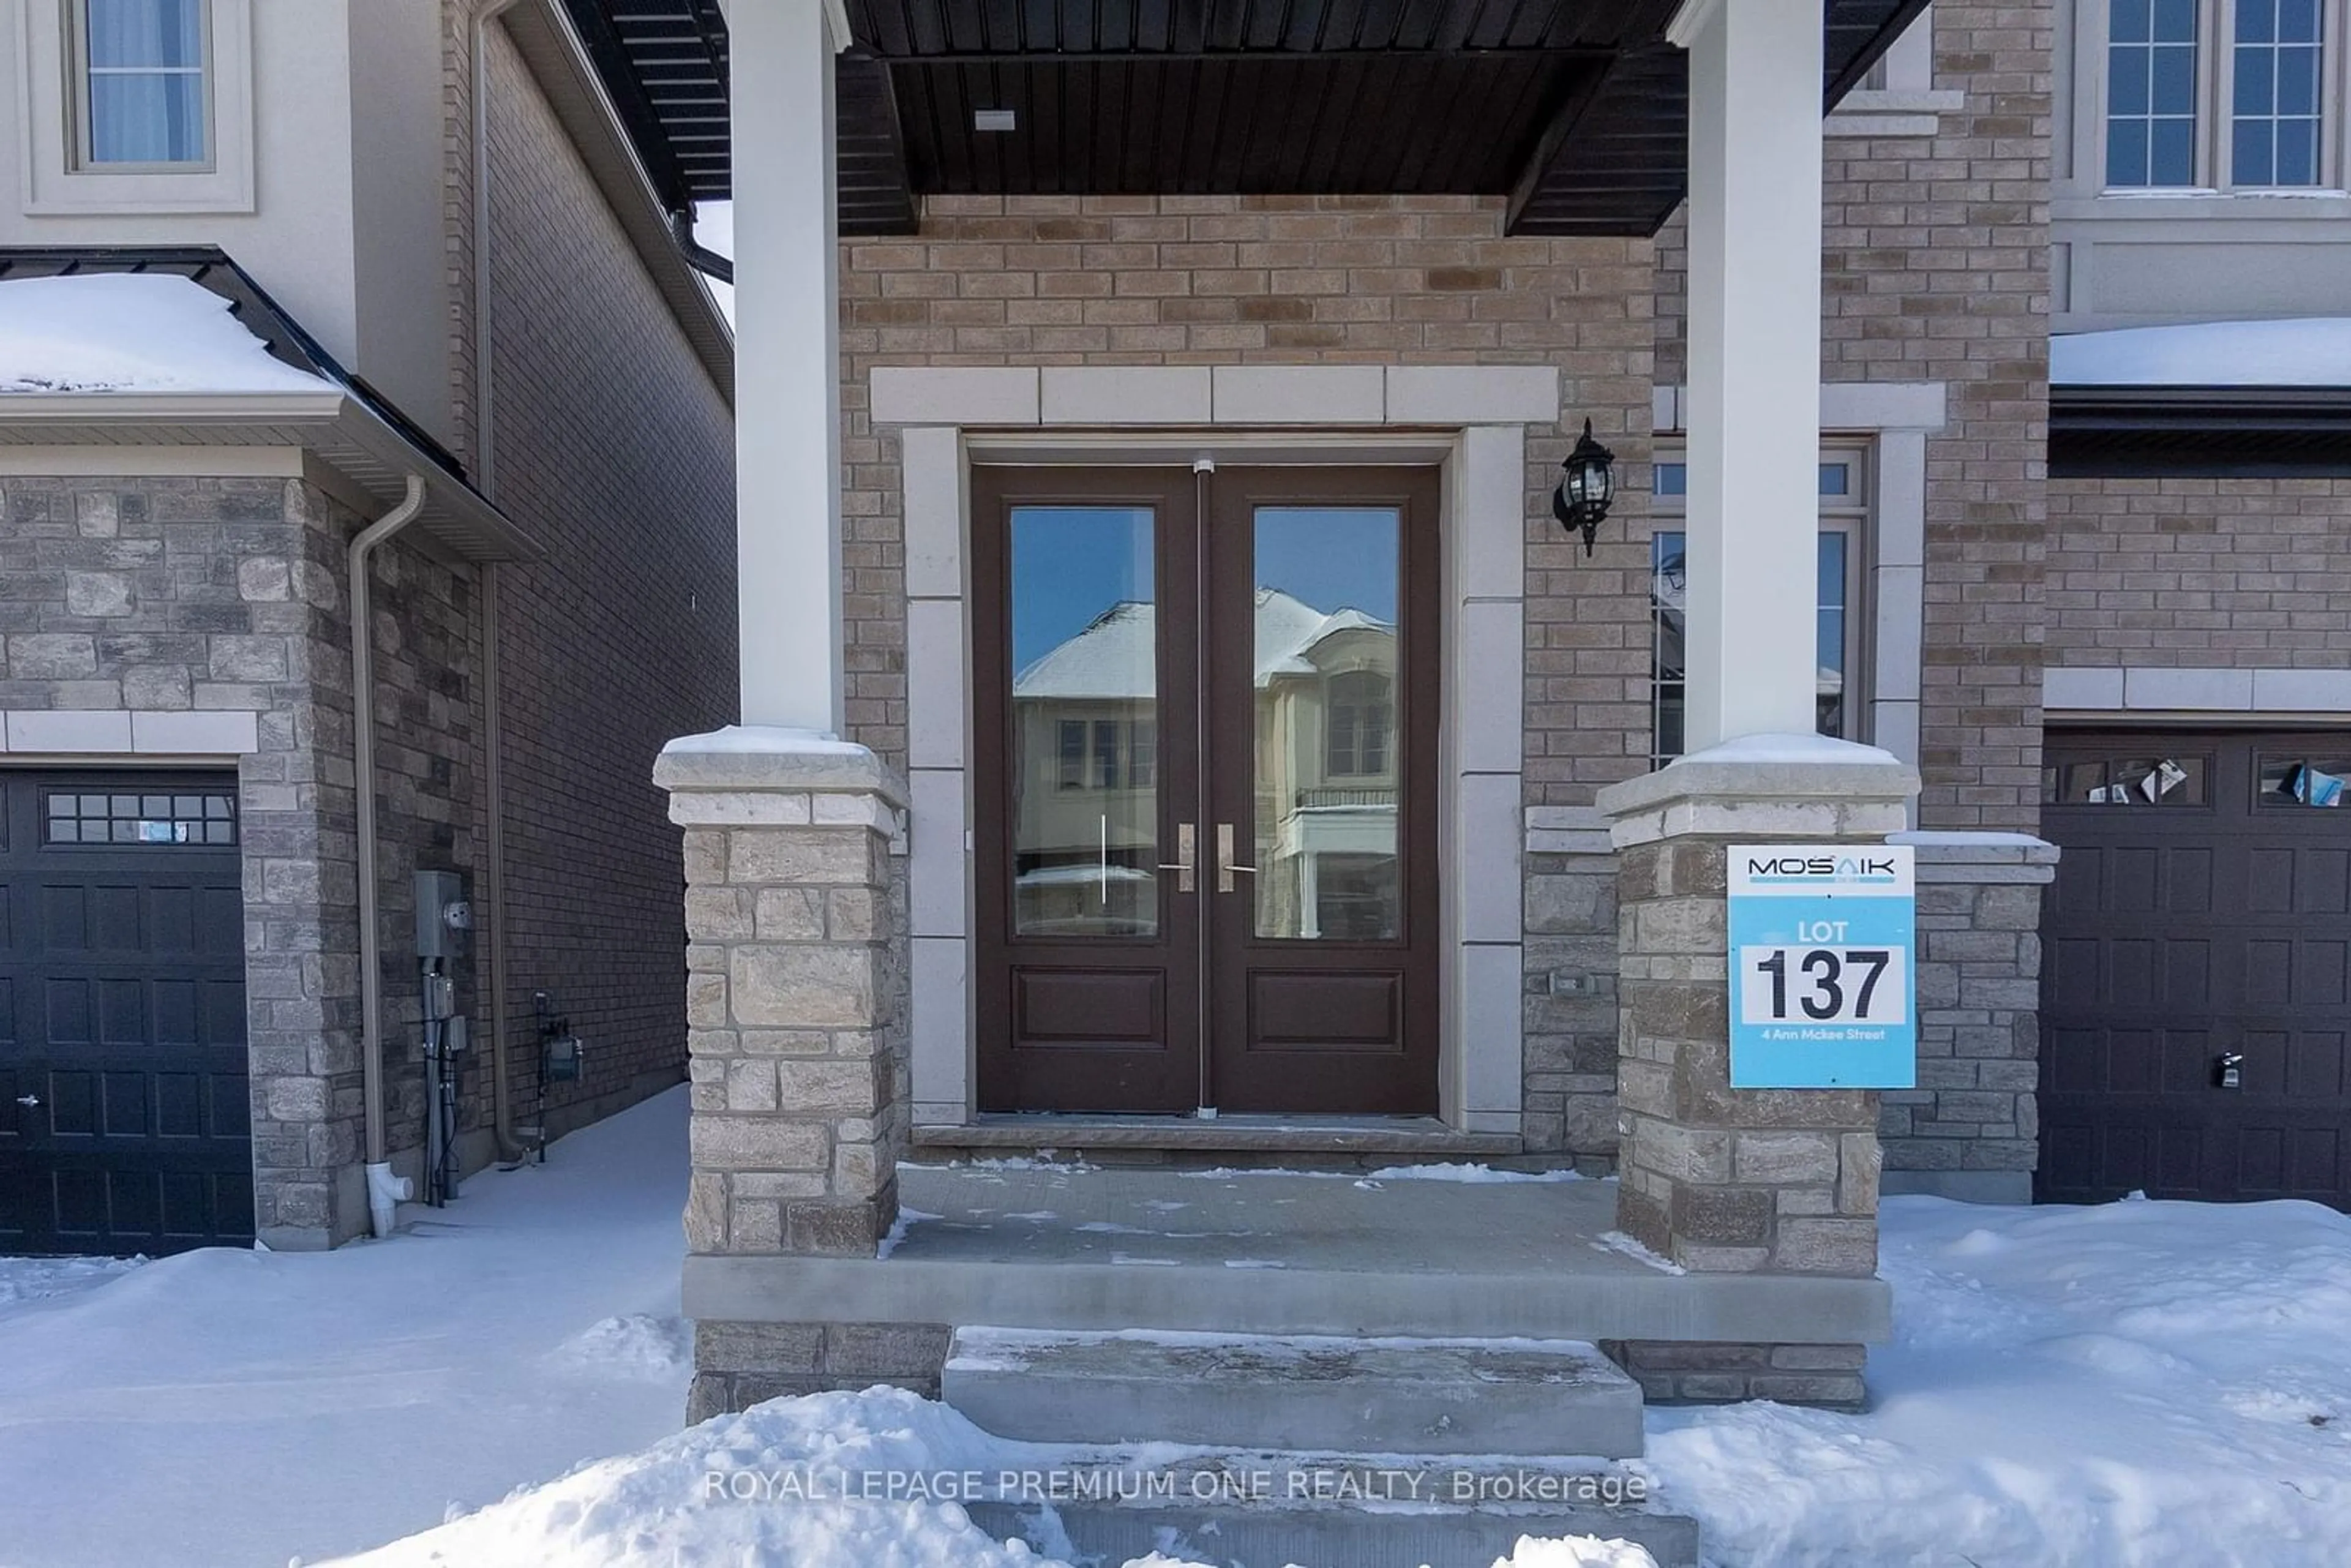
{"x":1577,"y":111}
{"x":2243,"y":433}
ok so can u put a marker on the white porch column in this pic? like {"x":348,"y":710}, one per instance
{"x":788,"y":366}
{"x":1754,"y":416}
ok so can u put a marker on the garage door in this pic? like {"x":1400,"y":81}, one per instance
{"x":2201,"y":912}
{"x":123,"y":1120}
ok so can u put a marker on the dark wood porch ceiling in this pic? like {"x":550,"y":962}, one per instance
{"x":1575,"y":109}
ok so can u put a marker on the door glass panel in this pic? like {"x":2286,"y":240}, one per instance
{"x":1085,"y":722}
{"x":1325,"y":728}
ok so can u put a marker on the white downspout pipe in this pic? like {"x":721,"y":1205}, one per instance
{"x":385,"y":1191}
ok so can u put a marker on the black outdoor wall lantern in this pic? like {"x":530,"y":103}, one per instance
{"x":1583,"y":498}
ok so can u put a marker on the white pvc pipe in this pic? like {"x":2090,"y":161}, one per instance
{"x":380,"y":1178}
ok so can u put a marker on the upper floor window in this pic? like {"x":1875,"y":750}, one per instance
{"x":142,"y":100}
{"x":2217,"y":94}
{"x":1361,"y":712}
{"x":2278,"y":68}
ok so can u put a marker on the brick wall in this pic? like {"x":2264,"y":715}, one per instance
{"x":1305,"y":280}
{"x":2201,"y":573}
{"x":610,"y":445}
{"x":1281,"y":280}
{"x":1936,"y":262}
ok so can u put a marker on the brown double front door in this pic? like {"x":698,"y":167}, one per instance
{"x":1205,"y":767}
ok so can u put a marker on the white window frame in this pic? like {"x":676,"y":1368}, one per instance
{"x":2216,"y":32}
{"x":55,"y":175}
{"x":1848,"y":515}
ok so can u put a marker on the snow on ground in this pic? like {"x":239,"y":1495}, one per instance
{"x":767,"y":1487}
{"x":2137,"y":1385}
{"x":243,"y":1407}
{"x":2166,"y":1384}
{"x":132,"y":332}
{"x":2316,"y":353}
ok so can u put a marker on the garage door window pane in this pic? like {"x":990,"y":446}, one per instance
{"x":2174,"y":781}
{"x":141,"y":820}
{"x":2302,"y":782}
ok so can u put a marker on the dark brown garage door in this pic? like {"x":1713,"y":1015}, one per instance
{"x":2201,"y":912}
{"x":123,"y":1120}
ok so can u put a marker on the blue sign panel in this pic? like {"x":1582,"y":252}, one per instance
{"x":1822,"y":979}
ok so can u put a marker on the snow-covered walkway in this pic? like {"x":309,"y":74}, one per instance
{"x":246,"y":1407}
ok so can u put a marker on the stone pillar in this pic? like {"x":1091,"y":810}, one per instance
{"x":796,"y":1006}
{"x":1716,"y":1179}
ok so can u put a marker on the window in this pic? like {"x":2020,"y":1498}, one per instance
{"x":141,"y":99}
{"x":143,"y":106}
{"x":1356,"y":733}
{"x":1842,"y":521}
{"x":1073,"y":750}
{"x":2219,"y":95}
{"x":2277,"y":68}
{"x":2151,"y":92}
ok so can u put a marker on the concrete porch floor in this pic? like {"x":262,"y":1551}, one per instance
{"x":1015,"y":1245}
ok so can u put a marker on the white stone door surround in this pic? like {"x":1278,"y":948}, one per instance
{"x":1469,"y":420}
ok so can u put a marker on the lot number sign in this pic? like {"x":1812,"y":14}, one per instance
{"x":1822,"y":939}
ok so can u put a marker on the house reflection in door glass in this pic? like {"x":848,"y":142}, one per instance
{"x":1085,"y":722}
{"x":1327,"y":768}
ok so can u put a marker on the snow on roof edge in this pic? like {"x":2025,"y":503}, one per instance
{"x":2313,"y":351}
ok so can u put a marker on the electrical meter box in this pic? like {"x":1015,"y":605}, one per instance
{"x":444,"y":918}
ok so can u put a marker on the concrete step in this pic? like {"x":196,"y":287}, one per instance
{"x":1295,"y":1394}
{"x":1234,"y":1536}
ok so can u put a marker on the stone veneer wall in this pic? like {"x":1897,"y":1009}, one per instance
{"x":1972,"y":1129}
{"x":180,"y":595}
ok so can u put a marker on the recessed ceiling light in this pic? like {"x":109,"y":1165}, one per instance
{"x":994,"y":120}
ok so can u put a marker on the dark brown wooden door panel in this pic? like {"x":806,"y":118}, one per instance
{"x":2187,"y":925}
{"x":1265,"y":665}
{"x":1084,"y":636}
{"x":1324,"y":615}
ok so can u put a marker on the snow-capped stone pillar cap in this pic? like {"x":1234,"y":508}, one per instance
{"x":1766,"y":786}
{"x":750,"y":758}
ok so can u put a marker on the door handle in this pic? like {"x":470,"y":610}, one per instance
{"x":1225,"y":868}
{"x":28,"y":1101}
{"x":1186,"y":865}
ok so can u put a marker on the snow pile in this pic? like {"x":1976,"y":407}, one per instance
{"x":2136,"y":1384}
{"x":640,"y":1345}
{"x":132,"y":332}
{"x":767,"y":1487}
{"x":37,"y":1279}
{"x":2306,"y":353}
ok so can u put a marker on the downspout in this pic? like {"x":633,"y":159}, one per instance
{"x":510,"y":1148}
{"x":385,"y":1191}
